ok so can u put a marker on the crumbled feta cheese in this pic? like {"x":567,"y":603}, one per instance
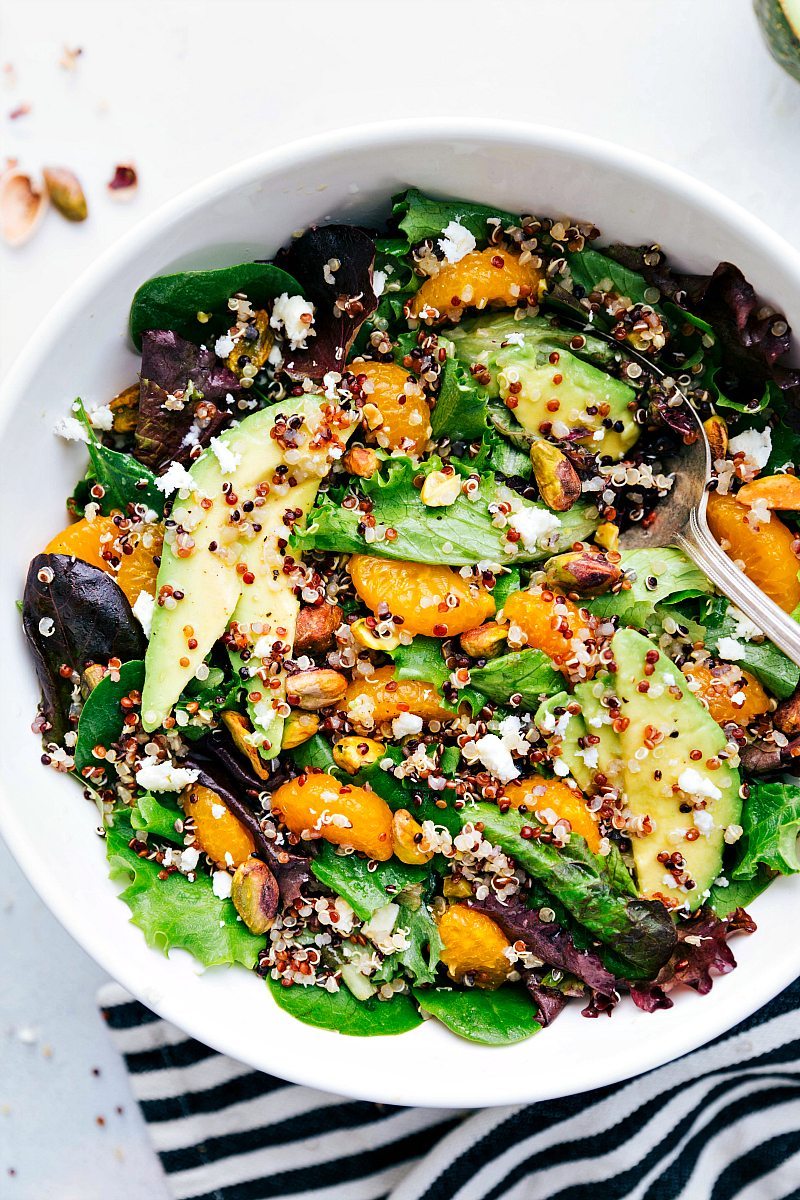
{"x":190,"y":857}
{"x":695,"y":784}
{"x":495,"y":756}
{"x":228,"y":459}
{"x":511,"y":735}
{"x":218,"y":811}
{"x":729,"y":649}
{"x":590,"y":756}
{"x":71,"y":429}
{"x":288,"y":313}
{"x":155,"y":776}
{"x":456,"y":242}
{"x":703,"y":821}
{"x":175,"y":479}
{"x":221,"y":883}
{"x":378,"y":282}
{"x":745,"y":629}
{"x":406,"y":724}
{"x":535,"y":526}
{"x":224,"y":345}
{"x":101,"y":417}
{"x":755,"y":445}
{"x":143,"y":608}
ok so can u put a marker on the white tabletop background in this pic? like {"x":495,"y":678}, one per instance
{"x":185,"y":87}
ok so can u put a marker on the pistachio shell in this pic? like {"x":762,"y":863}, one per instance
{"x":66,"y":193}
{"x":22,"y":206}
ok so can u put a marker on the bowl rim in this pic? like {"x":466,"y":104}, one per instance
{"x":384,"y":136}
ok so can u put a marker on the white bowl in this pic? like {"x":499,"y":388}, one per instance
{"x":249,"y":211}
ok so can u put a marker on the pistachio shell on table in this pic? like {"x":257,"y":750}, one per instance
{"x":22,"y":206}
{"x":65,"y":192}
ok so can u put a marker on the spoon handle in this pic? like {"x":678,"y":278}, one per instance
{"x":781,"y":629}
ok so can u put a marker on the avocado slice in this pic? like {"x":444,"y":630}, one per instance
{"x":520,"y":353}
{"x":593,"y":719}
{"x":233,"y":571}
{"x":660,"y":780}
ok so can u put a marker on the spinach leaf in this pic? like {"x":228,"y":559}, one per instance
{"x":364,"y":890}
{"x":423,"y":659}
{"x":421,"y":216}
{"x":74,"y":614}
{"x":527,"y":673}
{"x":499,"y":1018}
{"x":174,"y":913}
{"x":217,"y":692}
{"x":771,"y":823}
{"x":769,"y":664}
{"x":316,"y":752}
{"x":640,"y":931}
{"x":507,"y":459}
{"x":153,"y":816}
{"x":124,"y":479}
{"x":589,"y":267}
{"x":510,"y":582}
{"x":341,"y":1012}
{"x":459,"y":535}
{"x":739,"y":892}
{"x":460,"y":410}
{"x":173,"y":301}
{"x":102,"y":719}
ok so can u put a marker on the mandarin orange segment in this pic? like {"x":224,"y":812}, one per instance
{"x":340,"y":813}
{"x":774,"y":491}
{"x":432,"y":600}
{"x":90,"y":541}
{"x":553,"y":797}
{"x":765,"y":549}
{"x":728,"y":692}
{"x":406,"y":417}
{"x":549,"y":621}
{"x":482,"y":277}
{"x":138,"y":570}
{"x":473,"y":944}
{"x":218,"y":833}
{"x":374,"y":700}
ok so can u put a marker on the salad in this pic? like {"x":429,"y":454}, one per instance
{"x":343,"y":642}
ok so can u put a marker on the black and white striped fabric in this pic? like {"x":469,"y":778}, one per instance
{"x":720,"y":1123}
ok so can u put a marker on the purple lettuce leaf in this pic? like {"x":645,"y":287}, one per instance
{"x":549,"y":1000}
{"x":343,"y":298}
{"x":702,"y":952}
{"x":169,"y":365}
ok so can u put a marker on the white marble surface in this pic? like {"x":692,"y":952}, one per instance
{"x":184,"y":87}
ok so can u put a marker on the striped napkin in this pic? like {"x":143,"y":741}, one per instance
{"x":722,"y":1122}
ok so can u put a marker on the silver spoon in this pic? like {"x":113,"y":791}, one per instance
{"x":680,"y":521}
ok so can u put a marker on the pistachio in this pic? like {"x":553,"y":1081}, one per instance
{"x":365,"y":634}
{"x":353,"y":753}
{"x":440,"y":489}
{"x":299,"y":727}
{"x":486,"y":641}
{"x":66,"y":193}
{"x":316,"y":625}
{"x":717,"y":433}
{"x":315,"y":689}
{"x":556,"y":478}
{"x":22,"y":206}
{"x":408,"y":839}
{"x":255,"y":895}
{"x":241,"y":732}
{"x":92,"y":675}
{"x":607,"y":536}
{"x":361,"y":461}
{"x":787,"y":715}
{"x":125,"y":408}
{"x":457,"y":888}
{"x":587,"y":571}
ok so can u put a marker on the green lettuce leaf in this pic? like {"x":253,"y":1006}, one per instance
{"x":150,"y":815}
{"x":663,"y":574}
{"x":421,"y":956}
{"x":528,"y":673}
{"x":460,"y":410}
{"x":174,"y":913}
{"x":423,"y":660}
{"x":459,"y":535}
{"x":739,"y":892}
{"x":421,"y":216}
{"x":364,"y":890}
{"x":769,"y":664}
{"x":499,"y":1018}
{"x":342,"y":1013}
{"x":771,"y":824}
